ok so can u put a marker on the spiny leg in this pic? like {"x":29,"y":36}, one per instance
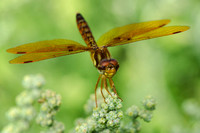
{"x":96,"y":89}
{"x":102,"y":81}
{"x":106,"y":85}
{"x":113,"y":87}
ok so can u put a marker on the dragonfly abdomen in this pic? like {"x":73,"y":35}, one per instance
{"x":85,"y":31}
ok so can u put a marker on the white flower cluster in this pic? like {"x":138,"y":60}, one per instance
{"x":144,"y":113}
{"x":57,"y":127}
{"x":33,"y":81}
{"x":109,"y":115}
{"x":103,"y":119}
{"x":23,"y":113}
{"x":108,"y":118}
{"x":50,"y":103}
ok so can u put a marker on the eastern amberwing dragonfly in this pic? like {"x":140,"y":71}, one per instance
{"x":99,"y":53}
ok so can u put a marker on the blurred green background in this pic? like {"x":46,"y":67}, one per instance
{"x":168,"y":68}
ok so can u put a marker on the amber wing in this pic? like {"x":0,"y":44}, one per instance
{"x":45,"y":50}
{"x":137,"y":32}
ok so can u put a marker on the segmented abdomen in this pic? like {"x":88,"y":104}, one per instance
{"x":85,"y":31}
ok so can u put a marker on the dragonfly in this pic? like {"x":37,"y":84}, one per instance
{"x":101,"y":57}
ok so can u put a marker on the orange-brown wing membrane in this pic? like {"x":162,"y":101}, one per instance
{"x":115,"y":35}
{"x":164,"y":31}
{"x":47,"y":46}
{"x":138,"y":32}
{"x":33,"y":57}
{"x":45,"y":50}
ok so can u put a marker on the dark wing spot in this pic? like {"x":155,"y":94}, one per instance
{"x":70,"y":48}
{"x":117,"y":38}
{"x":162,"y":25}
{"x":128,"y":39}
{"x":21,"y":52}
{"x":28,"y":61}
{"x":176,"y":32}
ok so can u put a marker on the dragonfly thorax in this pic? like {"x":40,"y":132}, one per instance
{"x":108,"y":67}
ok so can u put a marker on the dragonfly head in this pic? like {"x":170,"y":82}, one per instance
{"x":108,"y":67}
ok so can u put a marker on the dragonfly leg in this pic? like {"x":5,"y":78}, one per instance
{"x":106,"y":86}
{"x":102,"y":83}
{"x":96,"y":90}
{"x":113,"y":87}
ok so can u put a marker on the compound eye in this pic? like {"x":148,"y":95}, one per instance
{"x":102,"y":68}
{"x":104,"y":63}
{"x":114,"y":62}
{"x":117,"y":66}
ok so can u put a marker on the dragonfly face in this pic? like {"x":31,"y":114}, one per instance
{"x":99,"y":53}
{"x":108,"y":67}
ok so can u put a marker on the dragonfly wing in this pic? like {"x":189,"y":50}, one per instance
{"x":33,"y":57}
{"x":48,"y":46}
{"x":164,"y":31}
{"x":113,"y":36}
{"x":45,"y":50}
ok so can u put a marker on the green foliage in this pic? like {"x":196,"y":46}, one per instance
{"x":191,"y":109}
